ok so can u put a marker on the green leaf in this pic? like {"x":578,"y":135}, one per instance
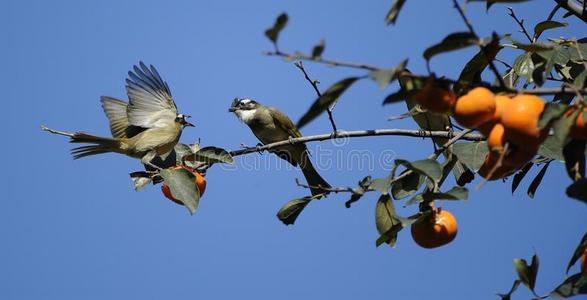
{"x":562,"y":127}
{"x":318,"y":49}
{"x":393,"y":12}
{"x":578,"y":190}
{"x":381,"y":185}
{"x":574,"y":153}
{"x":456,"y":193}
{"x":427,"y":167}
{"x":545,"y":25}
{"x":401,"y":95}
{"x":537,"y":180}
{"x":384,"y":77}
{"x":453,"y":41}
{"x":182,"y":184}
{"x":273,"y":32}
{"x":572,"y":286}
{"x":385,"y":219}
{"x":551,"y":112}
{"x":524,"y":66}
{"x":520,"y":175}
{"x":471,"y":73}
{"x":289,"y":212}
{"x":211,"y":155}
{"x":329,"y":97}
{"x":491,"y":2}
{"x":527,"y":273}
{"x":471,"y":154}
{"x":552,"y":149}
{"x":533,"y":47}
{"x":512,"y":290}
{"x":407,"y":185}
{"x":578,"y":51}
{"x":578,"y":252}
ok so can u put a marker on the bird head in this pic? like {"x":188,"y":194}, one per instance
{"x":244,"y":108}
{"x":182,"y":120}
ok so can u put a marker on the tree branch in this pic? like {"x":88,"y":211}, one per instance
{"x":301,"y":56}
{"x":359,"y":133}
{"x":520,"y":22}
{"x":574,"y":8}
{"x":483,"y":48}
{"x":314,"y":84}
{"x":540,"y":91}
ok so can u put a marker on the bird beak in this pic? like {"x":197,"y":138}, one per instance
{"x":232,"y":109}
{"x":188,"y":124}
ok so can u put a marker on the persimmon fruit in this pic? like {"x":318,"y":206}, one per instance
{"x":579,"y":129}
{"x":436,"y":98}
{"x":437,"y":229}
{"x":500,"y":102}
{"x":520,"y":119}
{"x":475,"y":108}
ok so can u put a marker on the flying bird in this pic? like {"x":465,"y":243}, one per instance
{"x":148,"y":126}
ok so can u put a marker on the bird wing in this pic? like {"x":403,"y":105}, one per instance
{"x":285,"y":123}
{"x":150,"y":102}
{"x":116,"y":111}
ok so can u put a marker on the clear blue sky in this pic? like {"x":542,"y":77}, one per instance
{"x":77,"y":229}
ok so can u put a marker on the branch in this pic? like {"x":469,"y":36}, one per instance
{"x":335,"y":63}
{"x":483,"y":48}
{"x":574,"y":8}
{"x":541,"y":91}
{"x":520,"y":22}
{"x":314,"y":84}
{"x":359,"y":133}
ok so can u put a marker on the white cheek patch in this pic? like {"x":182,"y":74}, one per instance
{"x":246,"y":115}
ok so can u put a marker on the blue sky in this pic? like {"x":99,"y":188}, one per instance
{"x":77,"y":229}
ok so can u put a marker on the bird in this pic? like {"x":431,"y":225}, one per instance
{"x":270,"y":125}
{"x":145,"y":127}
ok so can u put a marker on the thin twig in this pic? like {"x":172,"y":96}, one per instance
{"x":331,"y":189}
{"x":453,"y":140}
{"x":483,"y":48}
{"x":300,"y":56}
{"x":520,"y":22}
{"x":540,"y":91}
{"x":314,"y":84}
{"x":358,"y":133}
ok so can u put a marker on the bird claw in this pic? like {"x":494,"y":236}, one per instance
{"x":258,"y":148}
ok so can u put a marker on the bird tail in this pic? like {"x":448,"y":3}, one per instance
{"x":100,"y":145}
{"x":317,"y":184}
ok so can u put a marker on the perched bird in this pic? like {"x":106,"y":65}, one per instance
{"x":146,"y":127}
{"x":270,"y":125}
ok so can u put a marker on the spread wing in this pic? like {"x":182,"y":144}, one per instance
{"x":116,"y":112}
{"x":284,"y":123}
{"x":150,"y":102}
